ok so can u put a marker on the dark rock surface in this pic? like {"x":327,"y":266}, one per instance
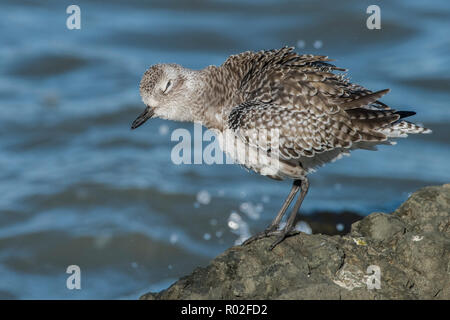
{"x":411,"y":248}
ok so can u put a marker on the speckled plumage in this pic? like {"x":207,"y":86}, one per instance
{"x":317,"y":113}
{"x":320,"y":115}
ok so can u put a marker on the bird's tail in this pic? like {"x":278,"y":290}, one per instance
{"x":401,"y":128}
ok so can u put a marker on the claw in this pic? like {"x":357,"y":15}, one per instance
{"x":271,"y":231}
{"x":263,"y":234}
{"x":277,"y":242}
{"x":284,"y":234}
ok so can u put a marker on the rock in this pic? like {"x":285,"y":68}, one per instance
{"x":409,"y":248}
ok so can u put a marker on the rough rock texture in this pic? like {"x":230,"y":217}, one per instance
{"x":411,"y":247}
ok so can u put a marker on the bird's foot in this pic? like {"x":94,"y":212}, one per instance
{"x":269,"y":231}
{"x":283,"y":234}
{"x":272,"y":231}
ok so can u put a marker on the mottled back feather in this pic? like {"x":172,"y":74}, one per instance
{"x":314,"y":109}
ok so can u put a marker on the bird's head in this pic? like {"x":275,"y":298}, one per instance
{"x":166,"y":90}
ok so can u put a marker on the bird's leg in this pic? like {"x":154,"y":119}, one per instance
{"x":290,"y":222}
{"x":274,"y":224}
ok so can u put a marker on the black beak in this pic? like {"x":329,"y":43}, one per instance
{"x":144,"y":116}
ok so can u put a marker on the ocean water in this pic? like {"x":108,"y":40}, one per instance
{"x":78,"y":187}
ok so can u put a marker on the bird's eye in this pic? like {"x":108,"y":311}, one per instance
{"x":169,"y":83}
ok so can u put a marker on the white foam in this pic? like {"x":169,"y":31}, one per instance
{"x":303,"y":226}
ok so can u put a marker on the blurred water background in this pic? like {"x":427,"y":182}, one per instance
{"x":77,"y":186}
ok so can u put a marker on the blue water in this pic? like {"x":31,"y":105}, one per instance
{"x":78,"y":187}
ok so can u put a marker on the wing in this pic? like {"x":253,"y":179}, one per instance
{"x":293,"y":132}
{"x":289,"y":131}
{"x":268,"y":75}
{"x":313,"y":109}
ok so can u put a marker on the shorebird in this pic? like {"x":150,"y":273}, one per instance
{"x":318,"y":114}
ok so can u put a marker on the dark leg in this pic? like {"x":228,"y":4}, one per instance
{"x":290,"y":222}
{"x":274,"y":224}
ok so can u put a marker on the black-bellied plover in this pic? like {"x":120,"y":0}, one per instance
{"x":318,"y":114}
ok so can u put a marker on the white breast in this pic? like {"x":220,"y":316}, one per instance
{"x":250,"y":157}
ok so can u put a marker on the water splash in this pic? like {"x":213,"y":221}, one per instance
{"x":252,"y":211}
{"x":304,"y":227}
{"x":238,"y":226}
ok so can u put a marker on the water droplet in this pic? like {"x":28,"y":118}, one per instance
{"x":318,"y":44}
{"x":238,"y":226}
{"x":244,"y":206}
{"x":339,"y":227}
{"x":203,"y":197}
{"x":207,"y":236}
{"x":233,"y":225}
{"x":173,"y":238}
{"x":163,"y":129}
{"x":265,"y":199}
{"x":259,"y":207}
{"x":102,"y":240}
{"x":300,"y":44}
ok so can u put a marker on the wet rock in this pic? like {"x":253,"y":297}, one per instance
{"x":409,"y":250}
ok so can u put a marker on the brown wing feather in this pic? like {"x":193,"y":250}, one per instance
{"x":314,"y":109}
{"x":300,"y":132}
{"x":361,"y":101}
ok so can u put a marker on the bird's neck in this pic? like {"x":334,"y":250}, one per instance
{"x":217,"y":92}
